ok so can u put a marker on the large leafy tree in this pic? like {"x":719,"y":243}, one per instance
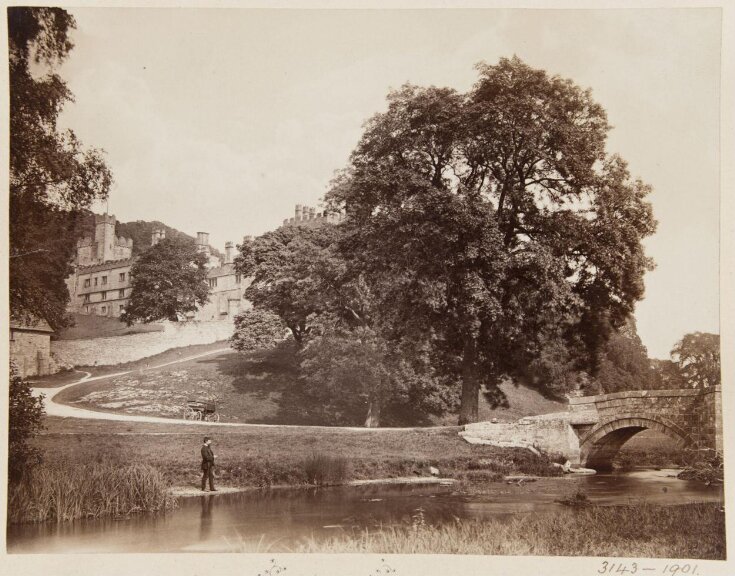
{"x":624,"y":364}
{"x":507,"y":229}
{"x":697,"y":357}
{"x":52,"y":176}
{"x":169,"y":281}
{"x":666,"y":375}
{"x":284,"y":265}
{"x":347,"y":370}
{"x":354,"y":355}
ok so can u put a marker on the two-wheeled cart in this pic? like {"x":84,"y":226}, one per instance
{"x":203,"y":410}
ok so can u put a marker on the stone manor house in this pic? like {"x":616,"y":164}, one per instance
{"x":101,"y":282}
{"x":101,"y":285}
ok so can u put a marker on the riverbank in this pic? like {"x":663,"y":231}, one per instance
{"x":266,"y":456}
{"x":247,"y":458}
{"x":190,"y":492}
{"x":643,"y":531}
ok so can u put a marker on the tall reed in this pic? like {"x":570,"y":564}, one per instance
{"x":324,"y":469}
{"x":64,"y":492}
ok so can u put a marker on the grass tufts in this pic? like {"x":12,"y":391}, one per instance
{"x":626,"y":531}
{"x":322,"y":469}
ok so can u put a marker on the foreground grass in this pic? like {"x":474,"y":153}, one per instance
{"x":267,"y":456}
{"x":63,"y":491}
{"x":688,"y":531}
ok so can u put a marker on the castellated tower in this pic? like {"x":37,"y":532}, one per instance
{"x":104,"y":236}
{"x":104,"y":246}
{"x":308,"y":216}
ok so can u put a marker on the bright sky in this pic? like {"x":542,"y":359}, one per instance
{"x":221,"y":120}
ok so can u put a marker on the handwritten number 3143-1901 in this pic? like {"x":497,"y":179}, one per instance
{"x":609,"y":568}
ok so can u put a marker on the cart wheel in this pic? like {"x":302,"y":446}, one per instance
{"x":215,"y":417}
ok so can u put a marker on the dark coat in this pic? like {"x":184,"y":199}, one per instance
{"x":207,"y":457}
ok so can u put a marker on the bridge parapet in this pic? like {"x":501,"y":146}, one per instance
{"x":696,"y":413}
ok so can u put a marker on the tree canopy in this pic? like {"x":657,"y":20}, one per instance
{"x":496,"y":223}
{"x":624,"y":364}
{"x":257,"y":330}
{"x":378,"y":368}
{"x":697,"y":357}
{"x":169,"y":281}
{"x":52,"y":176}
{"x":283,"y":265}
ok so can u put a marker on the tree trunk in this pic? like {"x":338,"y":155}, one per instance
{"x":373,"y":415}
{"x":470,"y":386}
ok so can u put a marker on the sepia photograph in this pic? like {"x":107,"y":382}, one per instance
{"x":371,"y":283}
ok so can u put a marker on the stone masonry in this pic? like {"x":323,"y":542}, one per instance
{"x":120,"y":349}
{"x":594,"y":428}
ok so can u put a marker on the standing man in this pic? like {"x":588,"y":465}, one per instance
{"x":207,"y":465}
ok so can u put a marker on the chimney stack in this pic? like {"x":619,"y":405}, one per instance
{"x":312,"y":213}
{"x":229,"y":246}
{"x":157,"y":236}
{"x":203,"y":242}
{"x":299,"y":212}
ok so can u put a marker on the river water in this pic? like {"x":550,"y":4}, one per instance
{"x":276,"y":520}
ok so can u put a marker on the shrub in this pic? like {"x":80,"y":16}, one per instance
{"x":578,"y":499}
{"x":321,"y":469}
{"x":26,"y":414}
{"x":703,"y":466}
{"x":257,"y":329}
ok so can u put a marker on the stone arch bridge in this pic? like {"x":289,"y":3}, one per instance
{"x":594,"y":428}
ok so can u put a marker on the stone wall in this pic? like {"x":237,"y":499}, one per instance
{"x":119,"y":349}
{"x":550,"y":433}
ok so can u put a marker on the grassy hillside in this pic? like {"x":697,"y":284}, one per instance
{"x":258,"y":388}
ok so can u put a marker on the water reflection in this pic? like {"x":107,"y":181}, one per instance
{"x":205,"y":521}
{"x":279,"y":520}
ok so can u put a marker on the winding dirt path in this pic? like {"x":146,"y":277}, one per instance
{"x":54,"y":408}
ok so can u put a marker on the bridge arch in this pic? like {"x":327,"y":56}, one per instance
{"x":600,"y":445}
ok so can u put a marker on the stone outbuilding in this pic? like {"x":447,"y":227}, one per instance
{"x":30,"y":347}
